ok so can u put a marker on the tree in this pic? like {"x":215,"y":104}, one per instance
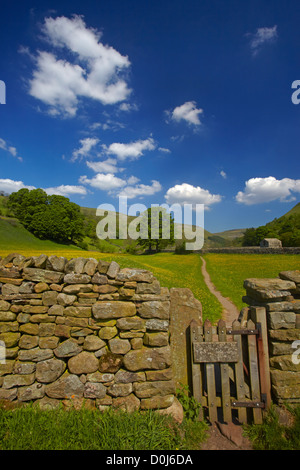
{"x":156,"y":228}
{"x":48,"y":217}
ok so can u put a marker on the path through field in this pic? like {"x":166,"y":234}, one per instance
{"x":229,"y":436}
{"x":230,"y":311}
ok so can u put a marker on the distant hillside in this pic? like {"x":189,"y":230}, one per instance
{"x":210,"y":240}
{"x":14,"y":235}
{"x":231,"y":234}
{"x":286,"y":228}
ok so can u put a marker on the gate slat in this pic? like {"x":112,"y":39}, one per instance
{"x":196,"y":336}
{"x":254,"y":374}
{"x":225,"y":384}
{"x":210,"y":377}
{"x":239,"y":373}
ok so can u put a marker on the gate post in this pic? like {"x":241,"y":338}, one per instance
{"x":183,"y":309}
{"x":258,"y":316}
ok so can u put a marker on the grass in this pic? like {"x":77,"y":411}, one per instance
{"x":271,"y":435}
{"x":228,"y":271}
{"x":29,"y":428}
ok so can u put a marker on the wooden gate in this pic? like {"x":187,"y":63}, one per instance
{"x":230,"y":368}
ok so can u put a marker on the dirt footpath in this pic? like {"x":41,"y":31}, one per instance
{"x":230,"y":311}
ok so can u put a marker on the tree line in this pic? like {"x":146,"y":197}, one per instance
{"x":286,"y":229}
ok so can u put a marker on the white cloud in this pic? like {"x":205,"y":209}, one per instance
{"x":105,"y":166}
{"x":7,"y":148}
{"x":164,"y":150}
{"x":66,"y":190}
{"x":127,"y":107}
{"x":109,"y":124}
{"x":95,"y":72}
{"x":10,"y":186}
{"x":141,"y":190}
{"x":85,"y":148}
{"x":186,"y":112}
{"x":187,"y":194}
{"x":261,"y":37}
{"x":105,"y":182}
{"x":260,"y":190}
{"x":132,"y":151}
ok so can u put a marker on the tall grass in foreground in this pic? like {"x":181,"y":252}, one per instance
{"x":228,"y":271}
{"x":271,"y":435}
{"x":29,"y":428}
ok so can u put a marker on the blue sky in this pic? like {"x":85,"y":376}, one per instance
{"x":170,"y":101}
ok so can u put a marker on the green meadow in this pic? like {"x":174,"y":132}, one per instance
{"x":228,"y":271}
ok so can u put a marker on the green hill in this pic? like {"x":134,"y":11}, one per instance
{"x":286,"y":228}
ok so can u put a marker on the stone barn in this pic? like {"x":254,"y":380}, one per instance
{"x":271,"y":243}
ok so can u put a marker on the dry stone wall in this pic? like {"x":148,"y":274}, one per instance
{"x":84,"y":330}
{"x":281,"y":299}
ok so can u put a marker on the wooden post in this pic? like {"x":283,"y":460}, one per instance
{"x":254,"y":375}
{"x":196,"y":336}
{"x":225,"y":384}
{"x":258,"y":315}
{"x":239,"y":373}
{"x":210,"y":378}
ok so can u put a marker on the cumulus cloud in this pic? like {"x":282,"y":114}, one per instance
{"x":7,"y":148}
{"x":140,"y":189}
{"x":10,"y":186}
{"x":187,"y":194}
{"x":105,"y":166}
{"x":104,"y":182}
{"x":261,"y":37}
{"x":66,"y":190}
{"x":85,"y":147}
{"x":97,"y":71}
{"x":187,"y":112}
{"x":131,"y":151}
{"x":260,"y":190}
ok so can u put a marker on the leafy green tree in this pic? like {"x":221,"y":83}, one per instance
{"x":158,"y":225}
{"x":48,"y":217}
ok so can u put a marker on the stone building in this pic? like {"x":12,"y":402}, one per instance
{"x":270,"y":243}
